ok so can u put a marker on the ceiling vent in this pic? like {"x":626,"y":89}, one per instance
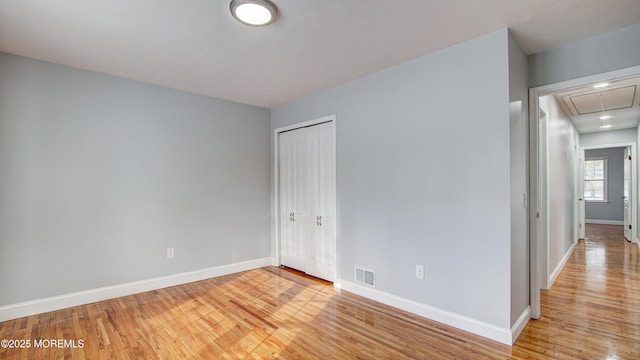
{"x":365,"y":277}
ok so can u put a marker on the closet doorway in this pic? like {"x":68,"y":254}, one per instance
{"x":306,"y":197}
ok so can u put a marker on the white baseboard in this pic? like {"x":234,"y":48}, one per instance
{"x":458,"y":321}
{"x":28,"y":308}
{"x":603,"y":222}
{"x":522,"y":321}
{"x":558,"y":269}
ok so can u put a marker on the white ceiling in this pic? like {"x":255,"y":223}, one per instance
{"x":196,"y":46}
{"x":585,"y":105}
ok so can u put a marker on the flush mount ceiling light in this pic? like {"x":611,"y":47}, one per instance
{"x":254,"y":12}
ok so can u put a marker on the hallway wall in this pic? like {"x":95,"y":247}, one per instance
{"x":562,"y":162}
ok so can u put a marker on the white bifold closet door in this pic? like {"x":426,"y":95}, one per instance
{"x":294,"y":201}
{"x":307,"y":200}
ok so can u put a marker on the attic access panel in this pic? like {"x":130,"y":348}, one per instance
{"x":612,"y":99}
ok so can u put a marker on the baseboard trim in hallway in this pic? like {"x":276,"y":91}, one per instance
{"x":558,"y":269}
{"x":603,"y":222}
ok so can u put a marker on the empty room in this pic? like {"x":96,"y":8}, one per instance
{"x":284,"y":179}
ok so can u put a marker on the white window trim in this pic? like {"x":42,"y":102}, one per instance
{"x":605,"y":180}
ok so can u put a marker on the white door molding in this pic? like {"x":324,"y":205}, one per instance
{"x":534,"y":235}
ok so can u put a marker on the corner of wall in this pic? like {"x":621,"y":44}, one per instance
{"x":520,"y":324}
{"x":519,"y":192}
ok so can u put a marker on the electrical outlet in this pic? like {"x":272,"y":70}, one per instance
{"x":420,"y":272}
{"x":170,"y":253}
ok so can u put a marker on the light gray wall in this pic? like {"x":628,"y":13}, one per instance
{"x":594,"y":55}
{"x":423,"y":176}
{"x":562,"y":163}
{"x":99,"y":175}
{"x":614,"y":208}
{"x":607,"y":138}
{"x":518,"y":109}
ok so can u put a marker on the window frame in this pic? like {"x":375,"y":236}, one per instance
{"x":605,"y":180}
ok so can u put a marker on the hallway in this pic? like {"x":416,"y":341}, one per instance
{"x":593,"y":309}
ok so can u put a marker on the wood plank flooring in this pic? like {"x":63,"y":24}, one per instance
{"x":592,"y":312}
{"x":593,"y":309}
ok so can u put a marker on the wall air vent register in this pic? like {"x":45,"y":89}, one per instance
{"x":365,"y":276}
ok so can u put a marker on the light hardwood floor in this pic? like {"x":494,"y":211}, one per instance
{"x":593,"y":309}
{"x":592,"y":312}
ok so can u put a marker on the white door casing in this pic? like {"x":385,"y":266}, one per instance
{"x":581,"y":201}
{"x":626,"y":196}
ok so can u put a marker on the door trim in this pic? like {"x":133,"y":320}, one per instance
{"x":535,"y":242}
{"x":581,"y":202}
{"x":276,"y":183}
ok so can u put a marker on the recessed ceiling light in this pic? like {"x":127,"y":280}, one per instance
{"x":254,"y":12}
{"x":605,"y":117}
{"x":601,"y":85}
{"x":607,"y":126}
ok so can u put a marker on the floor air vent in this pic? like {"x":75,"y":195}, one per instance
{"x":366,"y":277}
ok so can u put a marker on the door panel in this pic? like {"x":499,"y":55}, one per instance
{"x":293,"y":201}
{"x":322,"y":246}
{"x":287,"y":203}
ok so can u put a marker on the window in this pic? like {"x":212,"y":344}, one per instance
{"x":595,"y":179}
